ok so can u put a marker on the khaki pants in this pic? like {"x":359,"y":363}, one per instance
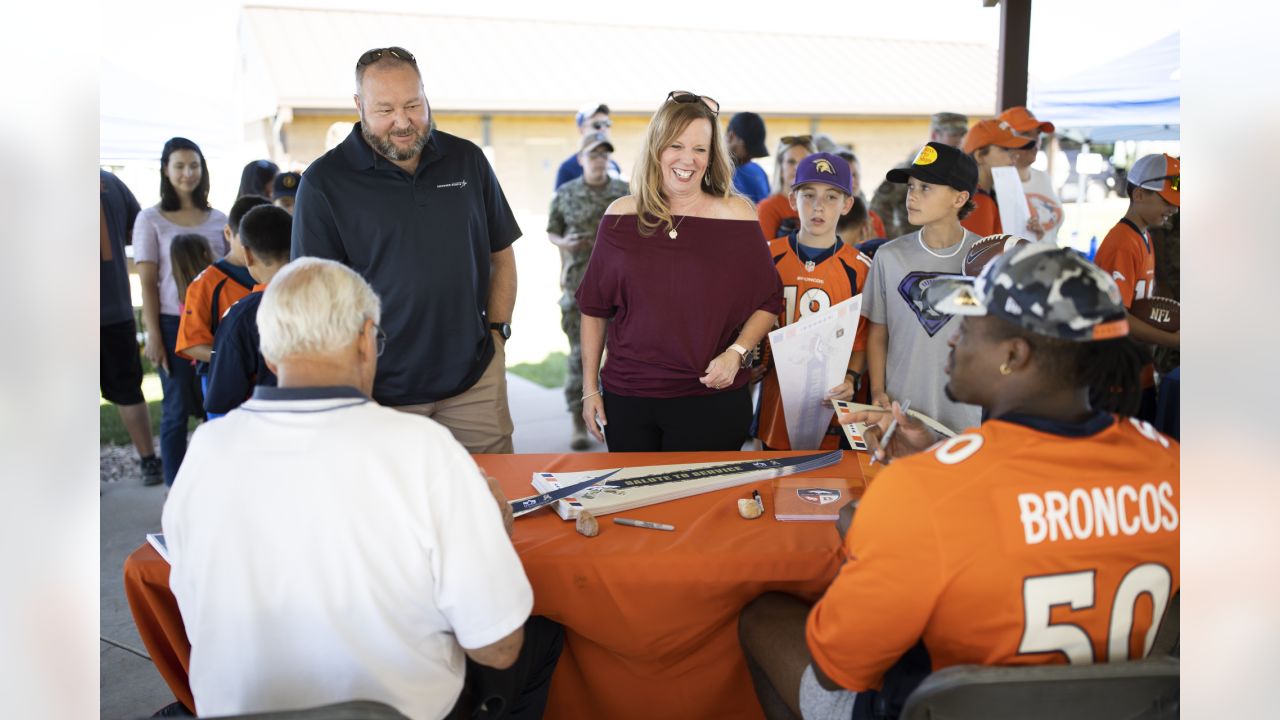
{"x":478,"y":417}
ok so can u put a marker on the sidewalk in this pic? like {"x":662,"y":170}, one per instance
{"x":130,"y":685}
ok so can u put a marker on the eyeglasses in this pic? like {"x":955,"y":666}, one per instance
{"x":602,"y":124}
{"x":377,"y":54}
{"x":380,"y":338}
{"x":1033,"y":145}
{"x":797,"y":140}
{"x":684,"y":96}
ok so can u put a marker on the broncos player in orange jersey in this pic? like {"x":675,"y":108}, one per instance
{"x":1048,"y":534}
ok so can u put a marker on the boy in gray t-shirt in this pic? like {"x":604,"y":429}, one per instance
{"x":907,"y":348}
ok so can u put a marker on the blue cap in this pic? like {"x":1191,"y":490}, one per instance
{"x":827,"y":169}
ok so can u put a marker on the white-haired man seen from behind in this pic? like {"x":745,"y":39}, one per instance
{"x":363,"y":556}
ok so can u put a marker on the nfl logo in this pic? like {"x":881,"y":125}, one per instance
{"x":818,"y":496}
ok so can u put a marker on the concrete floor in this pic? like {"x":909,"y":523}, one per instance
{"x":130,"y":685}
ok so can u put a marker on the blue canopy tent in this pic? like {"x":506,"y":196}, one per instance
{"x":1134,"y":97}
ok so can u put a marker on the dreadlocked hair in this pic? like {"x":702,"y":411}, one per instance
{"x":1111,"y":369}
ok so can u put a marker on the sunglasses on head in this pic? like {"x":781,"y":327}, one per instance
{"x":377,"y":54}
{"x":684,"y":96}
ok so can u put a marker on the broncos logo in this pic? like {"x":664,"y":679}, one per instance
{"x":823,"y":165}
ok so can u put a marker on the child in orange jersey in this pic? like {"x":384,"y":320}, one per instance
{"x":217,"y":288}
{"x":1127,"y":253}
{"x":1028,"y":540}
{"x":818,"y":269}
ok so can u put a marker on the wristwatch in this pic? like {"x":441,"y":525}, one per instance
{"x":504,"y":329}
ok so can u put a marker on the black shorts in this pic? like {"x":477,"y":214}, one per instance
{"x":120,"y":364}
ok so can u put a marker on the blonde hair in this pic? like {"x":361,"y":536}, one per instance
{"x":189,"y":255}
{"x":780,"y":159}
{"x":668,"y":122}
{"x":314,"y":306}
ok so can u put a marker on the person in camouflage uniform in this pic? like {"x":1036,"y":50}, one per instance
{"x":571,"y":226}
{"x":890,"y":200}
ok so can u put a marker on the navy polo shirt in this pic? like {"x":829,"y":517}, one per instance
{"x":423,"y":242}
{"x":236,"y":366}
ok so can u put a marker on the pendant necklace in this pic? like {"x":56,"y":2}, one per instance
{"x":672,"y":232}
{"x":929,"y":250}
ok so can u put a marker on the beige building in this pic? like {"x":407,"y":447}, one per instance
{"x":513,"y":86}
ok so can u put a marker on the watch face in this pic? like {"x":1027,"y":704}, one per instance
{"x":504,"y":329}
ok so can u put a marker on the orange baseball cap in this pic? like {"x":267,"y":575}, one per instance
{"x":1161,"y":173}
{"x":1023,"y":121}
{"x":991,"y":132}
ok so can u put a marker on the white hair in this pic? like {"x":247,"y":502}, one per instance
{"x":314,"y":306}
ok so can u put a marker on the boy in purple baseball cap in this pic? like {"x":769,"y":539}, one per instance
{"x":818,"y":270}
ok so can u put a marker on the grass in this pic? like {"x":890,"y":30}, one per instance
{"x":111,"y":429}
{"x":549,"y":373}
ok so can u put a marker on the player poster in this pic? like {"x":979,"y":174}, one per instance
{"x":811,"y":356}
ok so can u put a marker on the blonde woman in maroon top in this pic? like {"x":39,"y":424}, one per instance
{"x":681,"y":280}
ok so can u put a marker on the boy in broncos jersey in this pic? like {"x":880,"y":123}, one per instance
{"x":818,"y":270}
{"x":1049,"y":534}
{"x":1128,"y":254}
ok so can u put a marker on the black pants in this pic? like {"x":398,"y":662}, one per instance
{"x":521,"y":690}
{"x":718,"y":421}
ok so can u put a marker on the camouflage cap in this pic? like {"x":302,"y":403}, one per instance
{"x":1044,"y":289}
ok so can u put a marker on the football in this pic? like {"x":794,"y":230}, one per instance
{"x":983,"y":251}
{"x":1158,"y":312}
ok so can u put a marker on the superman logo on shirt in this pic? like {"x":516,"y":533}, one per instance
{"x":912,"y":290}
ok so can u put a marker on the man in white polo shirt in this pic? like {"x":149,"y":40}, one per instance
{"x":325,"y":548}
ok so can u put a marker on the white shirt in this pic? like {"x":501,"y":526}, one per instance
{"x":1044,"y":204}
{"x":325,"y":548}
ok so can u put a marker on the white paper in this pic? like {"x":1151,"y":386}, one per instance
{"x":1014,"y":211}
{"x":811,"y":356}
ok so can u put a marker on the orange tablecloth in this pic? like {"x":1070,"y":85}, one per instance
{"x":650,"y":617}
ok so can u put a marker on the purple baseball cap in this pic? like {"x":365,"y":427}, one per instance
{"x":827,"y":169}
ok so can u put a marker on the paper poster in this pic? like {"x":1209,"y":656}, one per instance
{"x":1014,"y":212}
{"x":810,"y":357}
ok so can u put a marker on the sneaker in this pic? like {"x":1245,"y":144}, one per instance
{"x":152,"y":471}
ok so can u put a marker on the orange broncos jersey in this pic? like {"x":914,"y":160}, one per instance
{"x":1126,"y":252}
{"x":221,"y":285}
{"x":835,"y":277}
{"x":1011,"y":544}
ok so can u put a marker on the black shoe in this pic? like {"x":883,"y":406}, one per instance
{"x":152,"y":471}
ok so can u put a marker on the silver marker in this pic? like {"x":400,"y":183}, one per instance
{"x":644,"y":524}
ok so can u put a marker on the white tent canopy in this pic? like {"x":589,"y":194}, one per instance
{"x":1134,"y":97}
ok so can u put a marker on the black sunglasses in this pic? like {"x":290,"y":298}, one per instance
{"x":377,"y":54}
{"x":684,"y":96}
{"x":1033,"y":145}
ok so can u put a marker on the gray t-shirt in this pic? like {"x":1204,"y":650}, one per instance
{"x":915,"y":368}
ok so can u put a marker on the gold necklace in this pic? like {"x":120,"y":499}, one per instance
{"x":672,"y":232}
